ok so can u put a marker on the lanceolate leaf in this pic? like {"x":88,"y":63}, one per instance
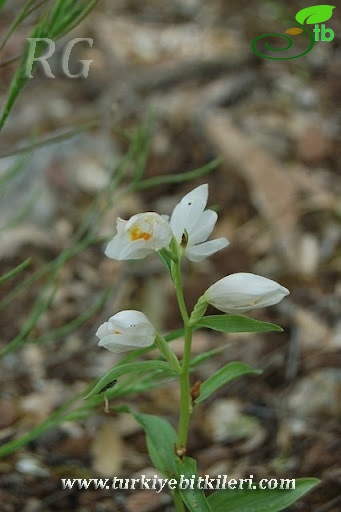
{"x":259,"y":500}
{"x":226,"y":374}
{"x":315,"y":14}
{"x":236,"y":323}
{"x":194,"y":499}
{"x":123,"y":369}
{"x":161,"y":438}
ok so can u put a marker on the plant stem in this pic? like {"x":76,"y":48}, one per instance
{"x":176,"y":273}
{"x":185,"y":397}
{"x":185,"y":393}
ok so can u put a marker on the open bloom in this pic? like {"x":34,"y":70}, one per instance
{"x":139,"y":236}
{"x":192,"y":225}
{"x":127,"y":330}
{"x":241,"y":292}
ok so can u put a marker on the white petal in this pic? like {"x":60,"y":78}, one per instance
{"x":204,"y":227}
{"x":114,"y":247}
{"x":202,"y":251}
{"x":162,"y":235}
{"x":186,"y":216}
{"x":187,"y":213}
{"x":121,"y":225}
{"x":128,"y":318}
{"x":199,"y":193}
{"x":121,"y":248}
{"x":103,"y":330}
{"x":121,"y":343}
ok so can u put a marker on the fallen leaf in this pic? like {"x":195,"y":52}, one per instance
{"x":273,"y":194}
{"x":107,"y":450}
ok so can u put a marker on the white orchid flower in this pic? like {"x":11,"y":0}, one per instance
{"x":242,"y":292}
{"x":127,"y":330}
{"x":192,"y":225}
{"x":139,"y":236}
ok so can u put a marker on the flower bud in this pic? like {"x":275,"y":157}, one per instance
{"x":127,"y":330}
{"x":243,"y":291}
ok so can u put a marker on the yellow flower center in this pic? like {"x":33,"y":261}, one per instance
{"x":137,"y":234}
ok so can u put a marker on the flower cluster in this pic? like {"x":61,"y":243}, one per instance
{"x":146,"y":233}
{"x":185,"y":233}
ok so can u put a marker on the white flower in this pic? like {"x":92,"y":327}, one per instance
{"x":139,"y":236}
{"x":189,"y":216}
{"x":241,"y":292}
{"x":127,"y":330}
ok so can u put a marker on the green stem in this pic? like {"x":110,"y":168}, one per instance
{"x":185,"y":396}
{"x":185,"y":392}
{"x":176,"y":273}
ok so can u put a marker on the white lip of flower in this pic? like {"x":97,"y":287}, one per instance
{"x":189,"y":218}
{"x":139,"y":236}
{"x":127,"y":330}
{"x":243,"y":291}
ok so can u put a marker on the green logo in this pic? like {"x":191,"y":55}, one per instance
{"x":314,"y":15}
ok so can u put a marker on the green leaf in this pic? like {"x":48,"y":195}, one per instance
{"x":166,"y":258}
{"x":123,"y":369}
{"x":204,"y":356}
{"x":236,"y":323}
{"x":226,"y":374}
{"x":161,"y":438}
{"x":315,"y":14}
{"x":194,"y":499}
{"x":259,"y":500}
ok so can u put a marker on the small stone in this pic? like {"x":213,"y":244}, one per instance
{"x":313,"y":144}
{"x":228,"y":423}
{"x":316,"y":394}
{"x":309,"y":254}
{"x":30,"y":466}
